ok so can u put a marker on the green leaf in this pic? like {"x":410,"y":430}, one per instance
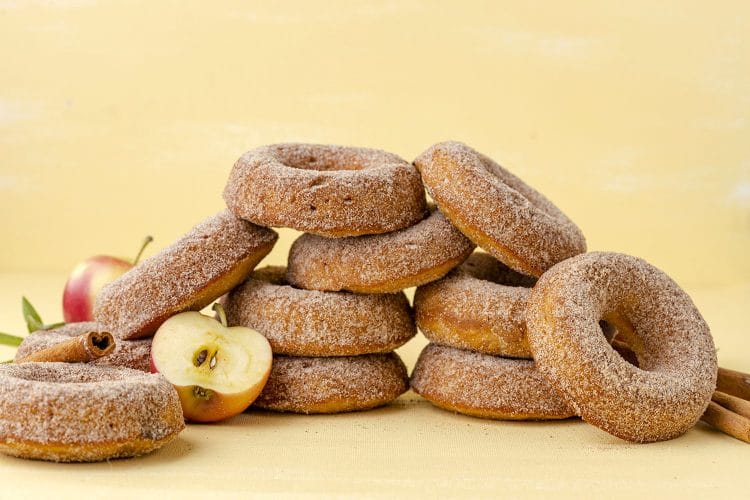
{"x":12,"y":340}
{"x":7,"y":361}
{"x":53,"y":325}
{"x":33,"y":320}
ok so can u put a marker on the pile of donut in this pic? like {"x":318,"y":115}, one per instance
{"x":535,"y":328}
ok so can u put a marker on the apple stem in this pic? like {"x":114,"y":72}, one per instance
{"x":146,"y":241}
{"x":220,"y":311}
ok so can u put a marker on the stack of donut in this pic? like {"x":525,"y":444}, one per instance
{"x":523,"y":332}
{"x":479,"y":361}
{"x":336,"y":313}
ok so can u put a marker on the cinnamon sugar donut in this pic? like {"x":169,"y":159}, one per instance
{"x":663,"y":397}
{"x":214,"y":257}
{"x":135,"y":354}
{"x":313,"y":323}
{"x":66,"y":412}
{"x":480,"y":306}
{"x":333,"y":384}
{"x":485,"y":386}
{"x":382,"y":263}
{"x":327,"y":190}
{"x":497,"y":210}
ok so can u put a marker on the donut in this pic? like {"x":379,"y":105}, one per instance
{"x":135,"y":354}
{"x":65,"y":412}
{"x":214,"y":257}
{"x":497,"y":210}
{"x":327,"y":190}
{"x":485,"y":386}
{"x":383,"y":263}
{"x":479,"y":306}
{"x":333,"y":384}
{"x":663,"y":397}
{"x":313,"y":323}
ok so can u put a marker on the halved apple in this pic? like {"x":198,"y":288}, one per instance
{"x":218,"y":371}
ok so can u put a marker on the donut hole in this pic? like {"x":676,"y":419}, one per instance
{"x":323,"y":163}
{"x":641,"y":339}
{"x":617,"y":342}
{"x":331,"y":158}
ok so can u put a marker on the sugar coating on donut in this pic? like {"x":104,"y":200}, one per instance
{"x":81,"y":412}
{"x":480,"y":306}
{"x":379,"y":263}
{"x":325,"y":189}
{"x":133,"y":354}
{"x":497,"y":210}
{"x":672,"y":342}
{"x":212,"y":258}
{"x":333,"y":384}
{"x":486,"y":386}
{"x":314,"y":323}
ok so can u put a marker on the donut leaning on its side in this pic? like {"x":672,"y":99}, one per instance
{"x":676,"y":375}
{"x":211,"y":259}
{"x":500,"y":213}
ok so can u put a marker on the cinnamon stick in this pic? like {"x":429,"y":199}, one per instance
{"x":734,"y":383}
{"x":727,"y":421}
{"x":731,"y":403}
{"x":81,"y":349}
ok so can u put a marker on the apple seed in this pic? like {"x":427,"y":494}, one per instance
{"x":201,"y":358}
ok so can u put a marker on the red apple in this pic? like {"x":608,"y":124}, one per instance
{"x":88,"y":278}
{"x":218,"y":371}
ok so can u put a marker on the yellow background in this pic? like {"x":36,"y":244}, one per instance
{"x":120,"y":119}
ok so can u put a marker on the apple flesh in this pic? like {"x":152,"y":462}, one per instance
{"x":218,"y":371}
{"x":88,"y":278}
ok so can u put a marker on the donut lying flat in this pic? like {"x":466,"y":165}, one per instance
{"x":66,"y":412}
{"x":485,"y":386}
{"x":133,"y":354}
{"x":327,"y":190}
{"x":496,"y":210}
{"x":214,"y":257}
{"x":313,"y":323}
{"x":382,"y":263}
{"x":677,"y":376}
{"x":333,"y":384}
{"x":479,"y":306}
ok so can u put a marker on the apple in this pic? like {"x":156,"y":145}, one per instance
{"x":218,"y":371}
{"x":87,"y":278}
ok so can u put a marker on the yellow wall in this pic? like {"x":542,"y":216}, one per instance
{"x":119,"y":119}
